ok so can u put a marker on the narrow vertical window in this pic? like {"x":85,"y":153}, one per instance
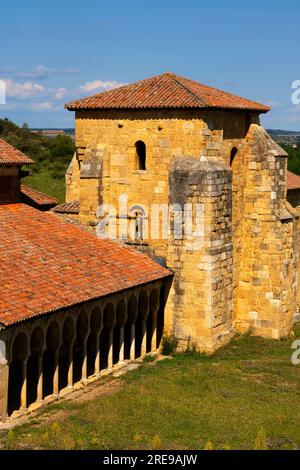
{"x":232,"y":155}
{"x":140,"y":148}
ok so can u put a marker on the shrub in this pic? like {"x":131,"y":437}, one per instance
{"x":156,"y":443}
{"x":261,"y":441}
{"x":209,"y":445}
{"x":169,"y":345}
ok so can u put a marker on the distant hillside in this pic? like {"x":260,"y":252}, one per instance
{"x":294,"y":157}
{"x":281,"y":132}
{"x":285,"y":137}
{"x":51,"y":155}
{"x":67,"y":130}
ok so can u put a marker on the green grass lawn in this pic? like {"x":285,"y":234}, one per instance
{"x":247,"y":389}
{"x":44,"y":181}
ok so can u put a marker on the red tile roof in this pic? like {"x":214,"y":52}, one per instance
{"x":48,"y":263}
{"x":166,"y":91}
{"x":37,"y":197}
{"x":293,"y":180}
{"x":67,"y":208}
{"x":11,"y":156}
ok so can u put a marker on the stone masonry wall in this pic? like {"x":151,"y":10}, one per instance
{"x":10,"y":183}
{"x":201,"y":299}
{"x":3,"y":390}
{"x":3,"y":381}
{"x":105,"y":168}
{"x":167,"y":134}
{"x":266,"y":301}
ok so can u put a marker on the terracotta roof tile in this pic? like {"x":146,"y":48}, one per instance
{"x":293,"y":180}
{"x":37,"y":197}
{"x":67,"y":208}
{"x":48,"y":263}
{"x":11,"y":156}
{"x":166,"y":91}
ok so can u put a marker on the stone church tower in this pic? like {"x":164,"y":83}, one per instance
{"x":171,"y":142}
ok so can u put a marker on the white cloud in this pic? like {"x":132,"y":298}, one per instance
{"x":41,"y":72}
{"x":43,"y":106}
{"x":59,"y":93}
{"x":71,"y":70}
{"x":295,"y":109}
{"x":273,"y":104}
{"x":7,"y":70}
{"x":31,"y":96}
{"x":23,"y":91}
{"x":294,"y":114}
{"x":100,"y":85}
{"x":8,"y":107}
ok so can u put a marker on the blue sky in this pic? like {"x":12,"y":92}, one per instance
{"x":53,"y":52}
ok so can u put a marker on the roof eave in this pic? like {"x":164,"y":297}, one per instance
{"x":11,"y":163}
{"x":119,"y":108}
{"x":168,"y":275}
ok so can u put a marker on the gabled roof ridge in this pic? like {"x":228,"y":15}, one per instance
{"x":37,"y":196}
{"x":9,"y":155}
{"x":293,"y":180}
{"x":217,"y":89}
{"x":177,"y":79}
{"x":166,"y":91}
{"x":49,"y":263}
{"x":123,"y":87}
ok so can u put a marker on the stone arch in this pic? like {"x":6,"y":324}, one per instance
{"x":20,"y":347}
{"x":17,"y":377}
{"x":143,"y":303}
{"x":82,"y":324}
{"x":121,"y":313}
{"x":53,"y":335}
{"x":109,"y":316}
{"x":96,"y":320}
{"x":68,"y":330}
{"x":132,"y":309}
{"x":11,"y":343}
{"x":37,"y":341}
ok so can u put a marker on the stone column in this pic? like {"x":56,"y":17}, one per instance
{"x":97,"y":359}
{"x":84,"y":373}
{"x":267,"y":288}
{"x":200,"y":304}
{"x":4,"y":371}
{"x":122,"y":349}
{"x":144,"y":338}
{"x":56,"y":373}
{"x":39,"y":395}
{"x":110,"y":350}
{"x":70,"y":364}
{"x":132,"y":342}
{"x":23,"y":401}
{"x":154,"y":332}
